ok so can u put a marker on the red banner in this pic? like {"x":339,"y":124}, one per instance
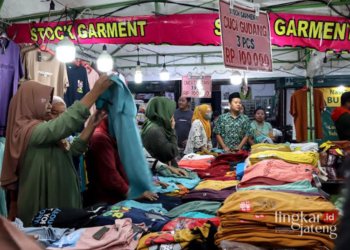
{"x":245,"y":38}
{"x":318,"y":32}
{"x":187,"y":29}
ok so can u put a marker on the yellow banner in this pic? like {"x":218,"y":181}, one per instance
{"x":332,"y":95}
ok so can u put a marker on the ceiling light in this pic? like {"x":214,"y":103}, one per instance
{"x":236,"y":78}
{"x":164,"y":74}
{"x":105,"y":61}
{"x":65,"y":50}
{"x":138,"y":78}
{"x":341,"y":88}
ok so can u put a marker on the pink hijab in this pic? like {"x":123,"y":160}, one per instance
{"x":26,"y":110}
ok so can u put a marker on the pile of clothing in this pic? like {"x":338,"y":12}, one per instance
{"x":277,"y":203}
{"x":332,"y":157}
{"x":184,"y":216}
{"x":267,"y":200}
{"x":278,"y":219}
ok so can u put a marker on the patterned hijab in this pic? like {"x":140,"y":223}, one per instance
{"x":199,"y":114}
{"x":27,"y":109}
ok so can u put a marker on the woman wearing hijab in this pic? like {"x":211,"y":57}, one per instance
{"x":199,"y":138}
{"x":262,"y":131}
{"x":158,"y":134}
{"x":36,"y":171}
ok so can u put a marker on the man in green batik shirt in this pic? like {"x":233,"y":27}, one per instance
{"x":233,"y":128}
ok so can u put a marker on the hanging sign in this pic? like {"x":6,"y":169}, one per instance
{"x":332,"y":96}
{"x":196,"y":86}
{"x":318,"y":32}
{"x":184,"y":29}
{"x":245,"y":38}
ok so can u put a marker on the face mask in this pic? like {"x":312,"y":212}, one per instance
{"x":208,"y":116}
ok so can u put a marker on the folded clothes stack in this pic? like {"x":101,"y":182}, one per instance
{"x":277,"y":219}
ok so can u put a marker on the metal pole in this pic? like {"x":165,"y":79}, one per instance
{"x":312,"y":111}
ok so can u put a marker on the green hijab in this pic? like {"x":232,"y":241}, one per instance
{"x":158,"y":113}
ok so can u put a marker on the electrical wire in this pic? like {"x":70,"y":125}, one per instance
{"x":155,"y":52}
{"x":59,"y":3}
{"x":283,"y":71}
{"x":343,"y":67}
{"x":159,"y":1}
{"x":83,"y":50}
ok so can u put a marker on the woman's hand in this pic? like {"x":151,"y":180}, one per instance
{"x":178,"y":171}
{"x":102,"y":84}
{"x":96,"y":118}
{"x":173,"y":122}
{"x":162,"y":184}
{"x":149,"y":196}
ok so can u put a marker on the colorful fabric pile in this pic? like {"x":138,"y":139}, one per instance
{"x":298,"y":157}
{"x":278,"y":219}
{"x":261,"y":147}
{"x":274,"y":205}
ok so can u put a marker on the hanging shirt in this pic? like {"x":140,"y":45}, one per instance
{"x":122,"y":119}
{"x":93,"y":76}
{"x":298,"y":109}
{"x":183,"y":121}
{"x":46,"y":69}
{"x":78,"y":84}
{"x":10,"y":73}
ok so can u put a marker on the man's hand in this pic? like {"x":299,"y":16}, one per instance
{"x":227,"y":149}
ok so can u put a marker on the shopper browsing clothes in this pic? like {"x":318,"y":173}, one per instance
{"x":59,"y":107}
{"x":233,"y":128}
{"x":261,"y":130}
{"x":341,"y":117}
{"x":107,"y":178}
{"x":183,"y":120}
{"x":36,"y":171}
{"x":200,"y":134}
{"x":158,"y":134}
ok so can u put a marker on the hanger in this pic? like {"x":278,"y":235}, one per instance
{"x":4,"y":41}
{"x":86,"y":65}
{"x":44,"y":48}
{"x":305,"y":88}
{"x":4,"y":35}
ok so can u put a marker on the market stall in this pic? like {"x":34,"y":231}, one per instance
{"x":116,"y":182}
